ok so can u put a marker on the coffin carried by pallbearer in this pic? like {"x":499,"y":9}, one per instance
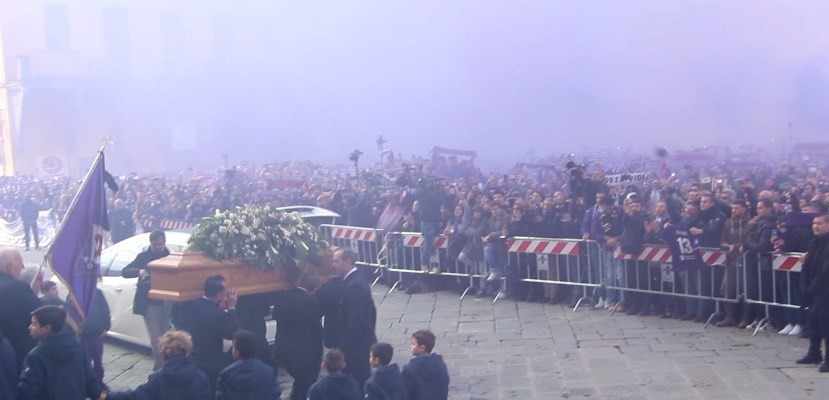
{"x":256,"y":249}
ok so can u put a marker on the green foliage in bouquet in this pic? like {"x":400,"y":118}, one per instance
{"x":264,"y":236}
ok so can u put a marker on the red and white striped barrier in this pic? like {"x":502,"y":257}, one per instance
{"x":353,"y":233}
{"x":414,"y":239}
{"x":714,"y":257}
{"x":170,"y":224}
{"x":791,"y":262}
{"x":543,"y":246}
{"x":663,"y":255}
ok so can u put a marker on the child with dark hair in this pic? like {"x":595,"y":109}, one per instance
{"x":57,"y":365}
{"x":247,"y":378}
{"x":425,"y":376}
{"x":51,"y":297}
{"x":334,"y":385}
{"x":386,"y":382}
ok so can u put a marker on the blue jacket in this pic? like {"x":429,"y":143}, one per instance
{"x":57,"y":369}
{"x":426,"y":378}
{"x":178,"y":379}
{"x":386,"y":383}
{"x":335,"y":387}
{"x":247,"y":380}
{"x":8,"y":369}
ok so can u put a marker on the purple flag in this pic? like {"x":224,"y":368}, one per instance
{"x":75,"y":253}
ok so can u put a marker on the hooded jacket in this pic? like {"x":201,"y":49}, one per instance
{"x":247,"y":380}
{"x":178,"y":379}
{"x":426,"y":378}
{"x":57,"y":369}
{"x":386,"y":383}
{"x":335,"y":387}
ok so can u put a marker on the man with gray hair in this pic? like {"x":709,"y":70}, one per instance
{"x":17,"y":301}
{"x":33,"y":275}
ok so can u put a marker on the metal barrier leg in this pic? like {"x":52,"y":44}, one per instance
{"x":379,"y":273}
{"x":583,"y":297}
{"x":501,"y":291}
{"x":471,"y":277}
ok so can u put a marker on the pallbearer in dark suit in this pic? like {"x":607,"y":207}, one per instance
{"x":209,"y":320}
{"x":358,"y":317}
{"x":298,"y":342}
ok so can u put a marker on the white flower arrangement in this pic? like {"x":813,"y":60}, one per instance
{"x":264,"y":236}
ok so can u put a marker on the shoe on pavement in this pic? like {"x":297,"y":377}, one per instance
{"x":752,"y":325}
{"x":726,"y":323}
{"x":425,"y":269}
{"x":785,"y":331}
{"x":435,"y":271}
{"x":824,"y":367}
{"x":810,"y":358}
{"x":493,"y":276}
{"x":599,"y":304}
{"x":796,"y":331}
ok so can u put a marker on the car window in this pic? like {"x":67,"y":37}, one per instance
{"x":121,"y":260}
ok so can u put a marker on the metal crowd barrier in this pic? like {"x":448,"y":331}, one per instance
{"x":651,"y":272}
{"x":403,"y":257}
{"x":549,"y":261}
{"x":365,"y":242}
{"x":778,"y":286}
{"x":583,"y":265}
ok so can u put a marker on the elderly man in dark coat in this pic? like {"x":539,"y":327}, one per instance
{"x":17,"y":301}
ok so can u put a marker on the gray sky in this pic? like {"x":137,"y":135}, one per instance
{"x":317,"y":79}
{"x":509,"y":77}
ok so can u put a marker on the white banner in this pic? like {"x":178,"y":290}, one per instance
{"x":11,"y":233}
{"x":52,"y":165}
{"x":637,"y":178}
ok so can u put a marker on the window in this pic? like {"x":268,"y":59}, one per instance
{"x":56,"y":27}
{"x":116,"y":36}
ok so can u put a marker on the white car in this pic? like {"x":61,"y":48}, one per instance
{"x":119,"y":291}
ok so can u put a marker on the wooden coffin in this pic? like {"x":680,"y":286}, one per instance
{"x":180,"y":277}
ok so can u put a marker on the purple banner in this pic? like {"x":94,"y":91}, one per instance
{"x":75,"y":254}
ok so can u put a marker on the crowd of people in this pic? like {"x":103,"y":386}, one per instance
{"x":746,"y":210}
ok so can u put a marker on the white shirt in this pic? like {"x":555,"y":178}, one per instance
{"x":349,"y":273}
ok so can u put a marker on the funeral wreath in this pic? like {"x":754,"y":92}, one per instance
{"x":263,"y":236}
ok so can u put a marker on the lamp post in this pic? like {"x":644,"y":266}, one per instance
{"x":355,"y":158}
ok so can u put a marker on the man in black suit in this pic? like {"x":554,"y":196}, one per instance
{"x":358,"y":317}
{"x":298,"y":341}
{"x":17,"y":301}
{"x":208,"y":320}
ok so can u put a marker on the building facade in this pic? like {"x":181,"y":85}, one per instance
{"x":165,"y":80}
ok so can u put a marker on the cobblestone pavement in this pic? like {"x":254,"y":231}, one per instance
{"x":511,"y":350}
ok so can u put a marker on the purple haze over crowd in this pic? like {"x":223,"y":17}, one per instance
{"x":516,"y":80}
